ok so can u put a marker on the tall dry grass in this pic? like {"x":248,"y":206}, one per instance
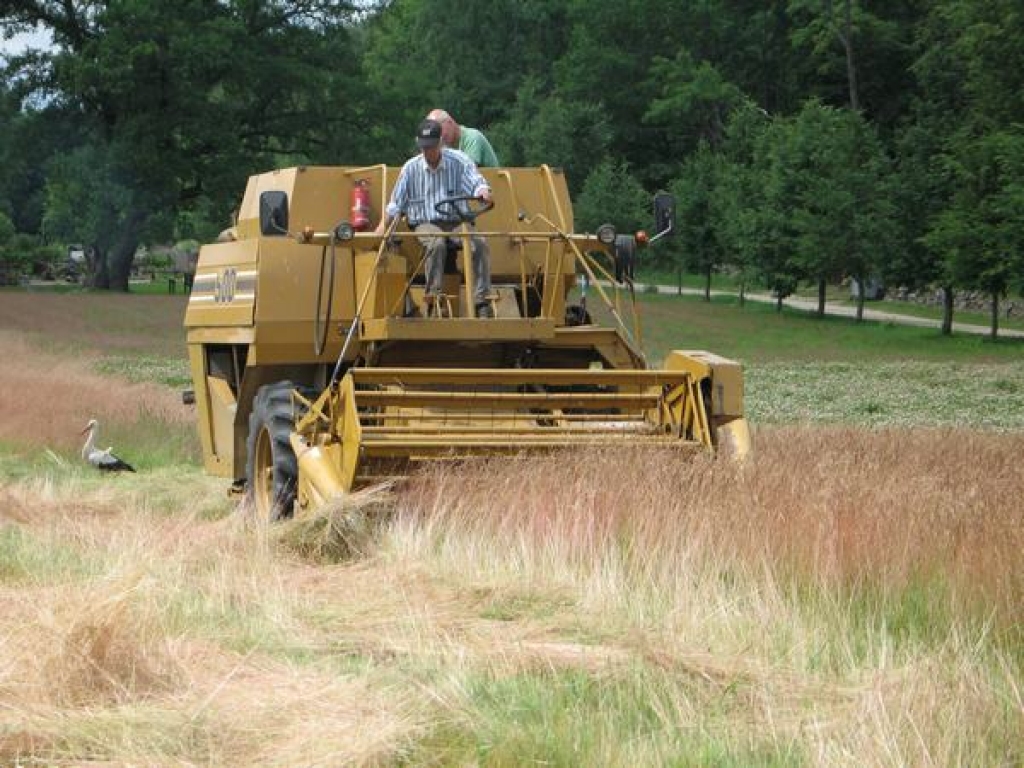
{"x":149,"y":639}
{"x":858,"y":594}
{"x":47,"y":399}
{"x":841,"y":506}
{"x":586,"y":608}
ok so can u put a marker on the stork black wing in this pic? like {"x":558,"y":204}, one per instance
{"x":111,"y":463}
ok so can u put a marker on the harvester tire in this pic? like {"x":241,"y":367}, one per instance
{"x":271,"y":467}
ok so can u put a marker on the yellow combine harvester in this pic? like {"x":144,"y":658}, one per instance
{"x":318,"y":364}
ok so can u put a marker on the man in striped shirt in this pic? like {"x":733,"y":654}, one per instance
{"x":439,"y":173}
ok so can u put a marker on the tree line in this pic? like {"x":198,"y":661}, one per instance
{"x":805,"y":140}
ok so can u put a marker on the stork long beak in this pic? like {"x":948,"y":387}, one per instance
{"x":86,"y":429}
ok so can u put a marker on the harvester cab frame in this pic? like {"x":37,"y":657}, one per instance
{"x":317,"y":366}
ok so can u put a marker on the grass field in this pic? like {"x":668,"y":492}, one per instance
{"x":854,"y":595}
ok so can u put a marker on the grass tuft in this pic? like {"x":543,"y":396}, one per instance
{"x":341,"y":530}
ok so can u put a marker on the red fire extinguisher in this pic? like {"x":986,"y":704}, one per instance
{"x":361,"y":205}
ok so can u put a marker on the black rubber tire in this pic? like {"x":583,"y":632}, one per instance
{"x":270,"y":424}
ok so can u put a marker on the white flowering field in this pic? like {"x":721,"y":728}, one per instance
{"x":916,"y":393}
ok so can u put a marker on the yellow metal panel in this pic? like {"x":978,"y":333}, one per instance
{"x":320,"y":478}
{"x":292,"y":342}
{"x":237,"y":335}
{"x":519,"y":376}
{"x":214,"y":464}
{"x":224,"y":288}
{"x":389,"y":282}
{"x":457,"y":329}
{"x":222,"y":412}
{"x":733,"y":439}
{"x":288,"y":281}
{"x":687,"y":361}
{"x":726,"y":376}
{"x":351,"y":433}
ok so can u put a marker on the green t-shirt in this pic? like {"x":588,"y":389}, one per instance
{"x":476,"y":145}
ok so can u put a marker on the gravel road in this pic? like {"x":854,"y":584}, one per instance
{"x":847,"y":311}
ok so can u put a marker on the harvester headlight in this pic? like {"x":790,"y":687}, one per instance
{"x":606,"y":234}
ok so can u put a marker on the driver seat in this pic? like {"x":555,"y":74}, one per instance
{"x":449,"y":301}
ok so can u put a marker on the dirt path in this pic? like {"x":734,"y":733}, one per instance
{"x":811,"y":305}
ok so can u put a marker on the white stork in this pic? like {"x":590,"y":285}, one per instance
{"x":104,"y":460}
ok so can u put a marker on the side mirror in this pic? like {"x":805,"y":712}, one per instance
{"x":274,"y":213}
{"x":664,"y":215}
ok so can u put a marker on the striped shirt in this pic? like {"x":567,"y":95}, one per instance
{"x":420,"y":188}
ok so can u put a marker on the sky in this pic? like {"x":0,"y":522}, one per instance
{"x":18,"y":43}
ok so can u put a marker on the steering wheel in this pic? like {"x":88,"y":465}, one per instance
{"x":449,"y":208}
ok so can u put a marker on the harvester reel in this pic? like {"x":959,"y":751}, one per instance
{"x":271,"y":466}
{"x":450,"y":209}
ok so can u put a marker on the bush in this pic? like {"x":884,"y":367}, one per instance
{"x":22,"y":254}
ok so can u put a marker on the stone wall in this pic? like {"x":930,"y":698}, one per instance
{"x":973,"y":301}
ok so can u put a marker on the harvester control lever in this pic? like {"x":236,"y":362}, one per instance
{"x":466,"y":213}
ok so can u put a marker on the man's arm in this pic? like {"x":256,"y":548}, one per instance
{"x":473,"y":183}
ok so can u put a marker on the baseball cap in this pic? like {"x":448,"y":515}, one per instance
{"x":428,"y":134}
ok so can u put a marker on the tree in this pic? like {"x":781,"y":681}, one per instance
{"x":547,"y":128}
{"x":87,"y":203}
{"x":834,"y":22}
{"x":693,"y":103}
{"x":611,"y":194}
{"x":410,"y":60}
{"x":27,"y":140}
{"x":698,"y":237}
{"x":776,"y":266}
{"x":738,"y":197}
{"x":969,"y":66}
{"x":10,"y":263}
{"x":856,"y":53}
{"x":182,"y":101}
{"x":981,"y":234}
{"x":843,"y":217}
{"x":921,"y":190}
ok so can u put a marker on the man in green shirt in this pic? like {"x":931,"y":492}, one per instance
{"x":468,"y":140}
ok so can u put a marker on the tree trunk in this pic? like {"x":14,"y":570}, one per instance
{"x":947,"y":310}
{"x":851,"y":65}
{"x":123,"y":251}
{"x":778,"y":304}
{"x":99,"y":275}
{"x":995,"y":315}
{"x":821,"y":297}
{"x":679,"y":281}
{"x":844,"y":31}
{"x":861,"y":282}
{"x":743,"y":293}
{"x":707,"y":285}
